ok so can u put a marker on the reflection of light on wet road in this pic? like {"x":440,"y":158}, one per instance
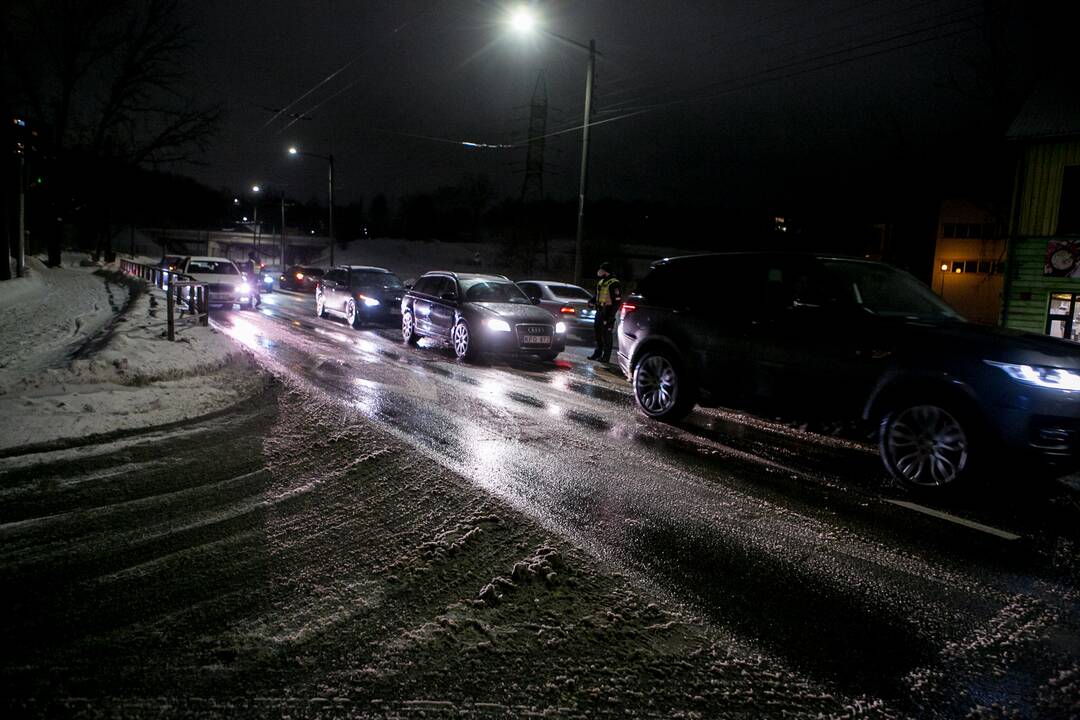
{"x":368,"y":397}
{"x":246,"y":333}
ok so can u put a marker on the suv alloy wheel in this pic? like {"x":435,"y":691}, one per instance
{"x":926,"y":445}
{"x":660,"y":388}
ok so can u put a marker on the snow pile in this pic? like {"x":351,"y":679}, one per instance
{"x":126,"y":377}
{"x":47,"y":314}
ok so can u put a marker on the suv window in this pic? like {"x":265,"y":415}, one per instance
{"x":446,"y":286}
{"x":426,"y":285}
{"x":336,"y":275}
{"x":530,"y":289}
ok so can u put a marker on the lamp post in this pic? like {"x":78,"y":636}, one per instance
{"x":255,"y":226}
{"x":281,"y":192}
{"x":524,"y":22}
{"x":293,"y":150}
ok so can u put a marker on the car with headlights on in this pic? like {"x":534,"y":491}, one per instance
{"x":479,"y":314}
{"x":359,"y":293}
{"x":567,"y":303}
{"x":853,"y":339}
{"x":300,"y":278}
{"x":225,"y":284}
{"x":268,"y":275}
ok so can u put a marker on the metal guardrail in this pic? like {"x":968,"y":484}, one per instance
{"x":181,"y":291}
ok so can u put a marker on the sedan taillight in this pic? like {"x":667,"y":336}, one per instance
{"x":626,"y":309}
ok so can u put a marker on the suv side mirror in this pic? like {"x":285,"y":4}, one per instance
{"x":449,"y":297}
{"x":535,"y":300}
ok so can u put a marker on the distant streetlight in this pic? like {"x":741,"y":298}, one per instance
{"x":293,"y":150}
{"x":524,"y":22}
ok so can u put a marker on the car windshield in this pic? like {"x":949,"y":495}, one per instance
{"x":499,"y":291}
{"x":212,"y":267}
{"x":569,"y":292}
{"x":889,"y":292}
{"x":365,"y":278}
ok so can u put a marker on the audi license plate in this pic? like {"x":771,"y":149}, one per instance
{"x":536,"y":340}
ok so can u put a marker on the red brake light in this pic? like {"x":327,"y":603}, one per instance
{"x":567,"y":309}
{"x":626,"y":309}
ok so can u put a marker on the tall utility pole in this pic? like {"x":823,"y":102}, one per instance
{"x":580,"y":244}
{"x":532,"y":190}
{"x":282,"y":231}
{"x":330,"y":158}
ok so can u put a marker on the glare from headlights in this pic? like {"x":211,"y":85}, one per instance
{"x":268,"y":278}
{"x":560,"y":327}
{"x":369,"y":301}
{"x":243,"y":288}
{"x":496,"y":325}
{"x":1040,"y":376}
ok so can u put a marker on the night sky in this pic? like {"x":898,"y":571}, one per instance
{"x":713,"y":103}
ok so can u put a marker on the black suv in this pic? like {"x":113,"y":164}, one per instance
{"x":854,"y":339}
{"x":358,"y":293}
{"x":479,"y":314}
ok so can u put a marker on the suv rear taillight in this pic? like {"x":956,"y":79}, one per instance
{"x":626,"y":309}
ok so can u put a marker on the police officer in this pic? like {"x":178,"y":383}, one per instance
{"x":607,"y":300}
{"x":251,"y":268}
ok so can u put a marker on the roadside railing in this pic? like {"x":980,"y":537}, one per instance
{"x":183,"y":293}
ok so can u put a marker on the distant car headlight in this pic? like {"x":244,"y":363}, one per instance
{"x":369,"y":301}
{"x":496,"y":325}
{"x":268,"y":278}
{"x":1040,"y":376}
{"x":560,"y":327}
{"x":243,"y":288}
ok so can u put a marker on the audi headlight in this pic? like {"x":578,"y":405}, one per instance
{"x":496,"y":325}
{"x":560,"y":327}
{"x":369,"y":301}
{"x":1040,"y":375}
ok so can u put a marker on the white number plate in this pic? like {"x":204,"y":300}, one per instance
{"x":537,"y":340}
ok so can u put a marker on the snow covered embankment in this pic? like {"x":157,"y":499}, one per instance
{"x":127,"y":377}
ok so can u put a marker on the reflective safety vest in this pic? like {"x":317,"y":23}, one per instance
{"x":603,"y":290}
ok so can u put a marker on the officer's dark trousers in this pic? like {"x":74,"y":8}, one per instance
{"x":603,"y":326}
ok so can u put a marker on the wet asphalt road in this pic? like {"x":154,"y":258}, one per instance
{"x":793,"y":542}
{"x":792,"y":538}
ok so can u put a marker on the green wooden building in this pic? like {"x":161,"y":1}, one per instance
{"x":1042,"y":284}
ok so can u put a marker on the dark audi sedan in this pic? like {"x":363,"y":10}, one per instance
{"x":359,"y":293}
{"x":852,"y":339}
{"x":479,"y":314}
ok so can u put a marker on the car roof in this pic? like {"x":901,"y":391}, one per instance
{"x":549,"y":283}
{"x":209,"y":258}
{"x":466,"y":276}
{"x":366,"y":268}
{"x":767,"y":253}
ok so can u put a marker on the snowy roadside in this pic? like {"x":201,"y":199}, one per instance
{"x":120,"y":373}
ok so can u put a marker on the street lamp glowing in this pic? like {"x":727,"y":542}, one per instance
{"x":256,"y":188}
{"x":522,"y":20}
{"x":293,"y":150}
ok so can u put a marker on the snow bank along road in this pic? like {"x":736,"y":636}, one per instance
{"x":388,"y":532}
{"x":81,"y":357}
